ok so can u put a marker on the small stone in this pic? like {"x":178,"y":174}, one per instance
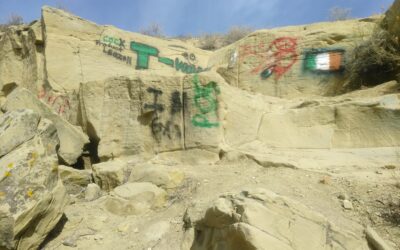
{"x":70,"y":242}
{"x":347,"y":205}
{"x":123,"y":228}
{"x":92,"y":192}
{"x":136,"y":230}
{"x":378,"y":172}
{"x":343,"y":196}
{"x":98,"y":237}
{"x":325,"y":180}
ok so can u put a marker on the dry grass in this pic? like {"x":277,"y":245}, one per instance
{"x":216,"y":41}
{"x":374,"y":61}
{"x":13,"y":19}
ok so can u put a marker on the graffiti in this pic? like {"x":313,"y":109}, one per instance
{"x":324,"y":60}
{"x":233,"y":58}
{"x":144,"y":52}
{"x":59,"y":103}
{"x":176,"y":103}
{"x":118,"y":56}
{"x":276,"y":59}
{"x":205,"y":100}
{"x":111,"y":50}
{"x":155,"y":105}
{"x":114,"y":41}
{"x":189,"y":57}
{"x":187,"y":68}
{"x":158,"y":128}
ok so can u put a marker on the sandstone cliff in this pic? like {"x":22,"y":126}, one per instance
{"x":136,"y":120}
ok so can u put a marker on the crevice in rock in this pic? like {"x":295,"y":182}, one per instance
{"x":57,"y":230}
{"x":184,"y":107}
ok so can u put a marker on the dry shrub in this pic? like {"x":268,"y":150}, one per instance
{"x":373,"y":61}
{"x":235,"y":34}
{"x":216,"y":41}
{"x":209,"y":41}
{"x":153,"y":29}
{"x":13,"y":19}
{"x":339,"y":14}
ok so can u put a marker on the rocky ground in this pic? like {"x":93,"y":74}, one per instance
{"x":349,"y":196}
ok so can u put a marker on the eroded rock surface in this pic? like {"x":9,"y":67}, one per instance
{"x":260,"y":219}
{"x":32,"y":197}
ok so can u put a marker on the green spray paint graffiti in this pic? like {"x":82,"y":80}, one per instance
{"x":144,"y":52}
{"x":114,"y":41}
{"x":187,"y":68}
{"x":205,"y":100}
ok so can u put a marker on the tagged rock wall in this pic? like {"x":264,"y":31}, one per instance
{"x":308,"y":60}
{"x":151,"y":113}
{"x":91,"y":52}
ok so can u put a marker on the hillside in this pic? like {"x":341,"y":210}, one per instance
{"x":115,"y":140}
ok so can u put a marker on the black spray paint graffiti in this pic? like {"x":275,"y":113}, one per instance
{"x":205,"y":100}
{"x":158,"y":128}
{"x":111,"y":50}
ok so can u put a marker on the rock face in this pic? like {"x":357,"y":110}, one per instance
{"x":72,"y":139}
{"x":142,"y":116}
{"x":260,"y":219}
{"x":32,"y":197}
{"x":291,"y":62}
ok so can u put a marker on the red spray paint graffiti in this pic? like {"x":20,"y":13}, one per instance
{"x":59,"y":103}
{"x":275,"y":59}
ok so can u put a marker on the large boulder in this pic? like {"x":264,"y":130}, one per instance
{"x":162,"y":176}
{"x":17,"y":127}
{"x":260,"y":219}
{"x":32,"y":197}
{"x":150,"y":113}
{"x":78,"y":51}
{"x":135,"y":198}
{"x":110,"y":174}
{"x":21,"y":57}
{"x":72,"y":139}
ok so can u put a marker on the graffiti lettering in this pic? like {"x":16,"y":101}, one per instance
{"x":110,"y":50}
{"x":144,"y":52}
{"x":324,"y":60}
{"x":155,"y":105}
{"x":117,"y":55}
{"x":114,"y":41}
{"x":59,"y":103}
{"x":275,"y":59}
{"x":176,"y":103}
{"x":187,"y":68}
{"x":205,"y":100}
{"x":159,"y":129}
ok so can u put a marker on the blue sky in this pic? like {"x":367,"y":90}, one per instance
{"x":194,"y":17}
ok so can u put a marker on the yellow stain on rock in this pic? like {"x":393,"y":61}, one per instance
{"x":10,"y":165}
{"x":7,"y":174}
{"x":29,"y":193}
